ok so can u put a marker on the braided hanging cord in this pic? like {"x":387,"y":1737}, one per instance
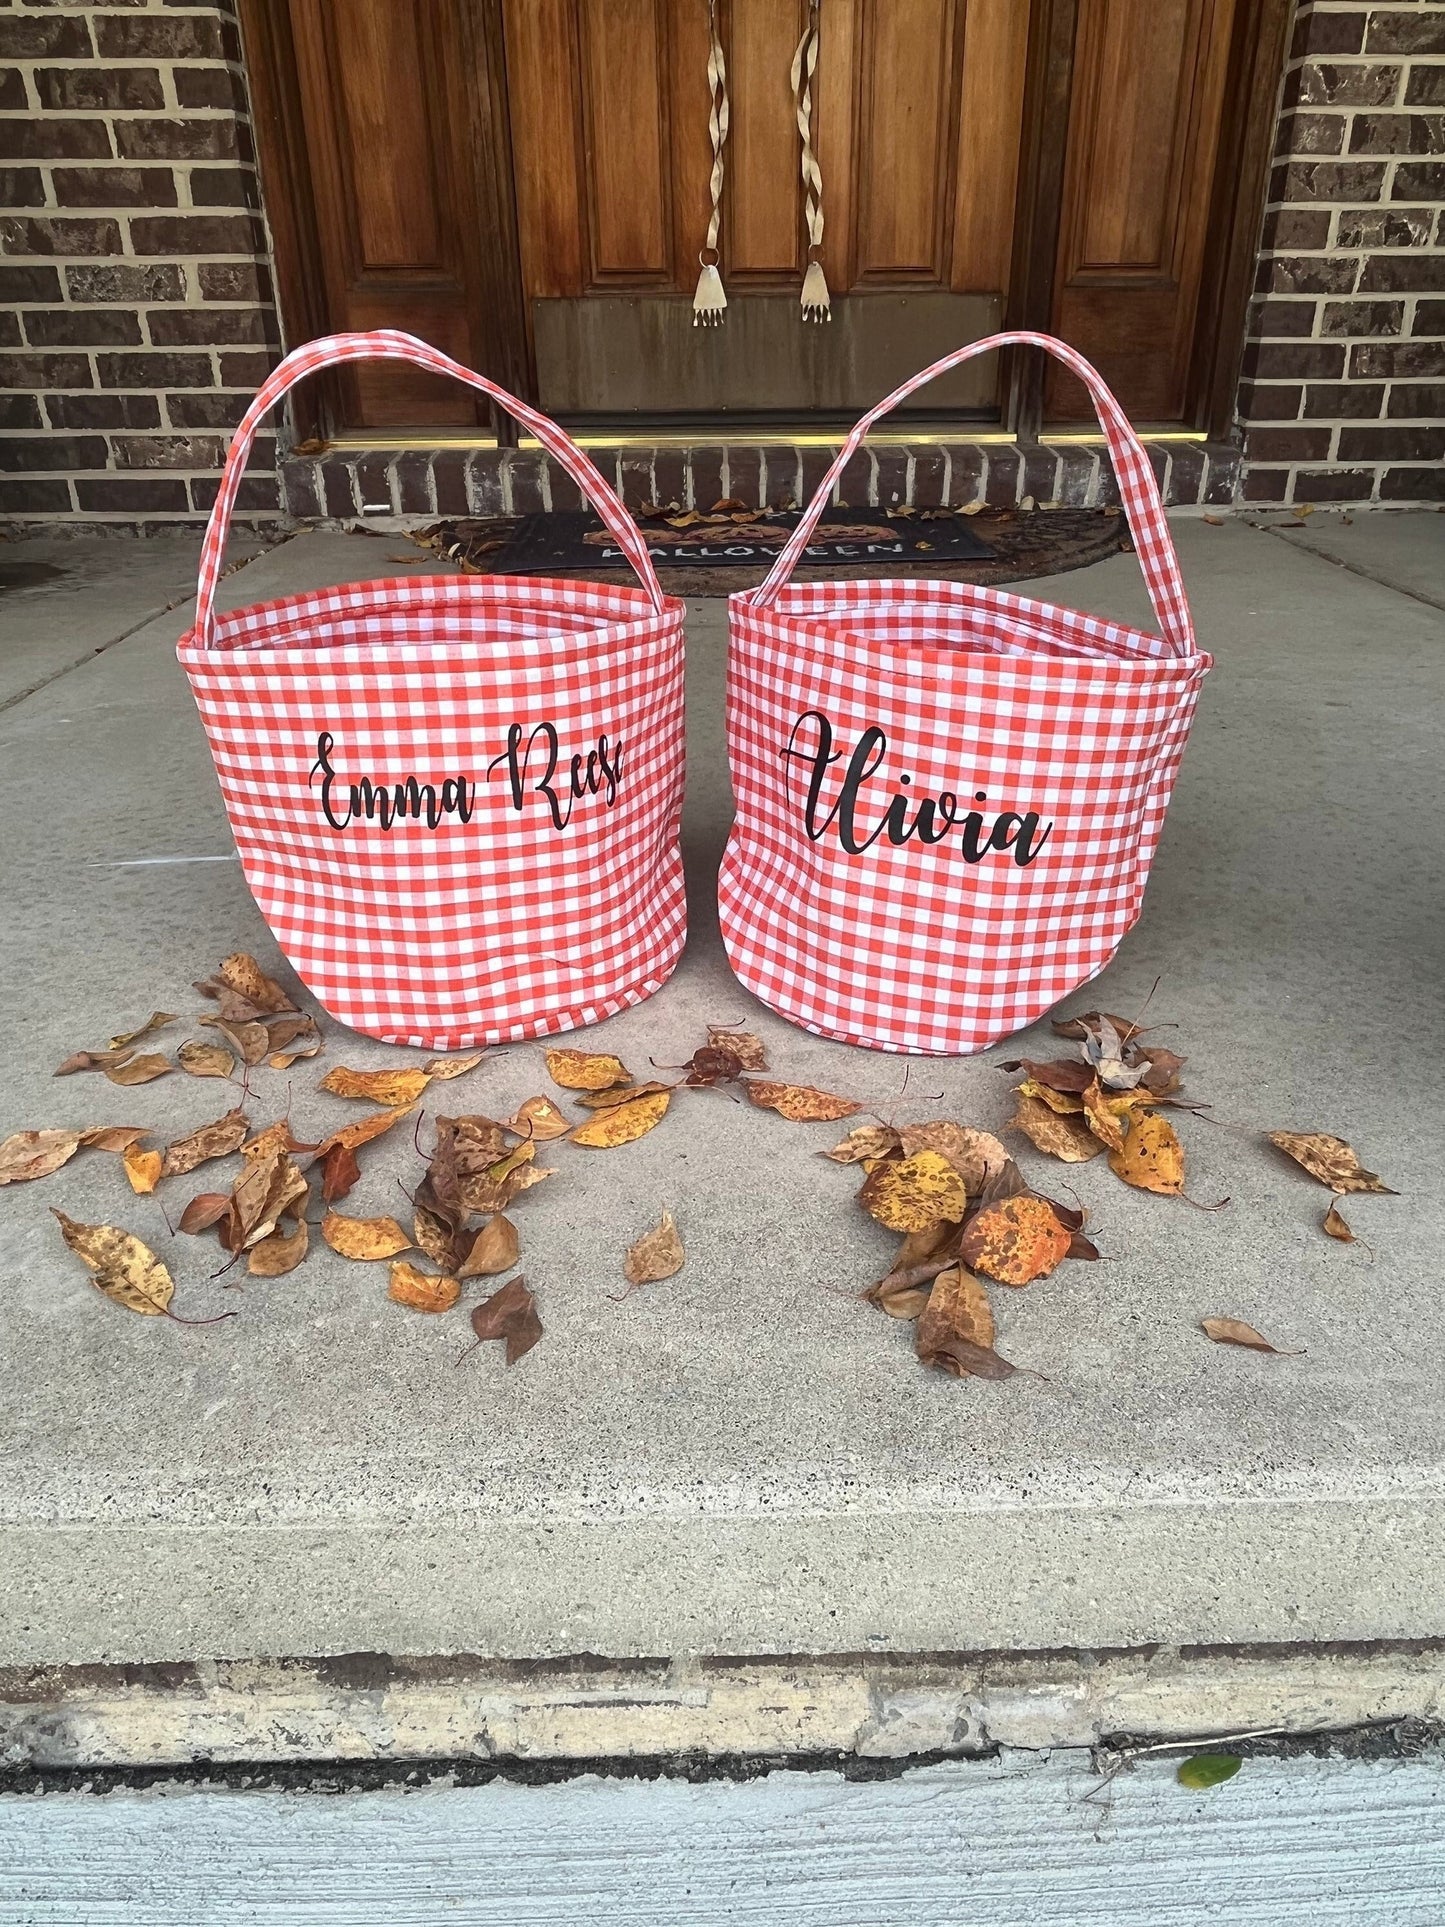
{"x":816,"y":304}
{"x":710,"y":301}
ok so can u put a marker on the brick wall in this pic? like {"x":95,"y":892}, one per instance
{"x":136,"y":313}
{"x":1344,"y":392}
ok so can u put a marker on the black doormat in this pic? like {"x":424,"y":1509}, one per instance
{"x":717,"y":553}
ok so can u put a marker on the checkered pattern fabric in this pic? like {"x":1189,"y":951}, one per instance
{"x":456,"y":799}
{"x":947,"y":798}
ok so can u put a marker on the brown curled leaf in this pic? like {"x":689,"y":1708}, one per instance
{"x":217,"y":1140}
{"x":340,"y":1173}
{"x":241,"y":973}
{"x":366,"y":1239}
{"x":495,"y":1249}
{"x":204,"y":1210}
{"x":745,"y":1046}
{"x":280,"y":1253}
{"x":1065,"y":1102}
{"x":958,"y":1307}
{"x":421,"y":1290}
{"x":205,"y":1060}
{"x":509,"y":1314}
{"x":93,"y":1060}
{"x":1059,"y":1135}
{"x":158,"y":1020}
{"x":139,"y":1070}
{"x":1335,"y":1225}
{"x":618,"y":1094}
{"x":1329,"y":1159}
{"x":1234,"y":1331}
{"x":250,"y":1041}
{"x":656,"y":1255}
{"x":449,"y":1067}
{"x":539,"y":1117}
{"x":798,"y":1102}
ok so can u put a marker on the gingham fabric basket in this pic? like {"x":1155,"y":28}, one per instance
{"x":947,"y":798}
{"x":455,"y":798}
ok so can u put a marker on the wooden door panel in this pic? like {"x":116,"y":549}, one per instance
{"x":764,"y":194}
{"x":625,"y":125}
{"x":379,"y":106}
{"x":1143,"y":133}
{"x":906,"y":159}
{"x":995,"y":58}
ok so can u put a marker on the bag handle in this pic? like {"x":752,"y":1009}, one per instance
{"x":389,"y":344}
{"x":1137,"y":488}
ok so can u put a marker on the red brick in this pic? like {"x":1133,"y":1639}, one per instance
{"x":1426,"y":399}
{"x":224,"y":187}
{"x":207,"y":327}
{"x":1287,"y":444}
{"x":26,"y":452}
{"x":1001,"y":481}
{"x":1413,"y":485}
{"x":133,"y":494}
{"x":20,"y":411}
{"x":115,"y":186}
{"x":49,"y":234}
{"x":1334,"y":401}
{"x":413,"y":482}
{"x":299,"y":491}
{"x":72,"y":87}
{"x":206,"y":409}
{"x":23,"y":281}
{"x":172,"y":234}
{"x":154,"y":371}
{"x":1265,"y":484}
{"x":126,"y":281}
{"x":1269,"y":401}
{"x":214,"y":139}
{"x":744,"y":475}
{"x":103,"y":411}
{"x":449,"y":474}
{"x":338,"y":493}
{"x":45,"y":371}
{"x":1332,"y":484}
{"x":35,"y":497}
{"x":1393,"y":442}
{"x":176,"y":37}
{"x":22,"y":187}
{"x":39,"y":139}
{"x":81,"y":327}
{"x":32,"y":37}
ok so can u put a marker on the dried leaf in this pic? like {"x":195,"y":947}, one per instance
{"x":242,"y":974}
{"x":1067,"y":1103}
{"x":1233,"y":1331}
{"x":435,"y":1233}
{"x":365,"y":1129}
{"x":205,"y":1060}
{"x":511,"y":1314}
{"x":1329,"y":1159}
{"x":35,"y":1154}
{"x":142,"y":1169}
{"x":294,"y":1033}
{"x":204,"y":1210}
{"x":495,"y":1249}
{"x":279,"y":1253}
{"x":93,"y":1060}
{"x":866,"y":1141}
{"x":958,"y":1308}
{"x":580,"y":1070}
{"x":494,"y":1189}
{"x":139,"y":1070}
{"x":262,"y":1195}
{"x":1162,"y":1077}
{"x":799,"y":1102}
{"x":623,"y":1123}
{"x":1058,"y":1073}
{"x":749,"y":1050}
{"x":1061,"y":1136}
{"x":364,"y":1238}
{"x":127,"y":1271}
{"x":340,"y":1173}
{"x":540,"y":1118}
{"x":448,"y":1067}
{"x":902,"y":1298}
{"x":1336,"y":1226}
{"x":479,"y":1142}
{"x":915,"y":1193}
{"x":250,"y":1041}
{"x":276,"y":1137}
{"x":1087,"y":1025}
{"x":1152,"y":1158}
{"x":977,"y":1156}
{"x":157,"y":1020}
{"x":618,"y":1094}
{"x":1110,"y":1114}
{"x":391,"y":1088}
{"x":420,"y":1289}
{"x":216,"y":1140}
{"x":1105,"y":1051}
{"x":112,"y":1137}
{"x":656,"y":1255}
{"x":1014,"y":1240}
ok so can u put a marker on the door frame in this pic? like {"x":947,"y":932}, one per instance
{"x":1246,"y":140}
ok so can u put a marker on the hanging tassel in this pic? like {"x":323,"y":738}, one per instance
{"x":816,"y":304}
{"x":710,"y":302}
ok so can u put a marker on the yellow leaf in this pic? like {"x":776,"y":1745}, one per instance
{"x":391,"y":1088}
{"x":977,"y":1156}
{"x":446,"y":1067}
{"x":539,"y":1118}
{"x":915,"y":1193}
{"x":420,"y":1289}
{"x":352,"y":1136}
{"x":279,"y":1253}
{"x":581,"y":1070}
{"x":127,"y":1271}
{"x":622,"y":1123}
{"x":1061,"y":1101}
{"x":364,"y":1238}
{"x":139,"y":1070}
{"x":142,"y":1168}
{"x":1152,"y":1158}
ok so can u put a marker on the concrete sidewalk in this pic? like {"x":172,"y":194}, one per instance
{"x":744,"y":1460}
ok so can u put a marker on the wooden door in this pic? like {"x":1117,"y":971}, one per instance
{"x":1143,"y":136}
{"x":916,"y":127}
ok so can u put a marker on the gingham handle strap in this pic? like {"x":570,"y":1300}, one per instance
{"x":389,"y":344}
{"x":1137,"y":487}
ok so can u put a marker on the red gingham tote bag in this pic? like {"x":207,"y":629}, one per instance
{"x":947,"y":798}
{"x":456,"y":799}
